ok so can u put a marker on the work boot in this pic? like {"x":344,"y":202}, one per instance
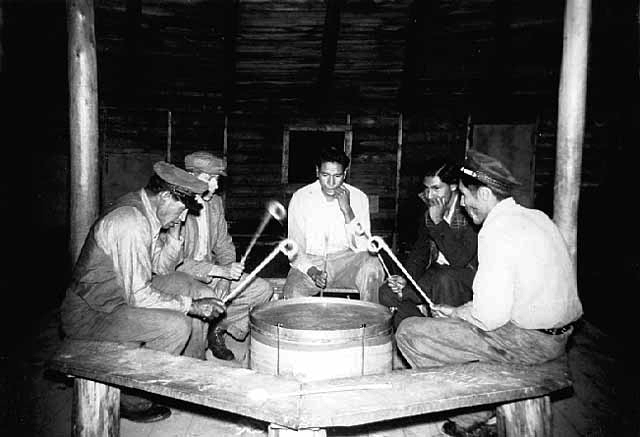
{"x":217,"y":346}
{"x":137,"y":409}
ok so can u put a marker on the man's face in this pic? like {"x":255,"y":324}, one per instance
{"x":331,"y":176}
{"x":434,"y":189}
{"x":170,"y":211}
{"x":212,"y":182}
{"x":476,"y":206}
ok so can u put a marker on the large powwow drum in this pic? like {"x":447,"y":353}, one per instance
{"x":314,"y":338}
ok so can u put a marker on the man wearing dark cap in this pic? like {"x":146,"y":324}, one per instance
{"x":525,"y":298}
{"x":123,"y":287}
{"x":210,"y":255}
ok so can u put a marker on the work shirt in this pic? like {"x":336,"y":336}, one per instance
{"x":121,"y":253}
{"x":207,"y":241}
{"x":525,"y":274}
{"x":317,"y":225}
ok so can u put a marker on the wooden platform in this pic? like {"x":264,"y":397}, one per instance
{"x":604,"y":400}
{"x":319,"y":404}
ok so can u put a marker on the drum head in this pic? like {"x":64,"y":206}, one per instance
{"x":321,"y":314}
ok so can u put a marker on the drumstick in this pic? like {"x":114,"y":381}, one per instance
{"x":275,"y":210}
{"x":324,"y":265}
{"x":360,"y":230}
{"x":286,"y":246}
{"x":375,"y":240}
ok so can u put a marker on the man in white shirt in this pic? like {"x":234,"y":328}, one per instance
{"x":525,"y":298}
{"x":329,"y":220}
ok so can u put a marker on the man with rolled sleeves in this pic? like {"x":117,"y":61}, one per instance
{"x":210,"y":256}
{"x":123,"y":286}
{"x":525,"y":300}
{"x":329,"y":220}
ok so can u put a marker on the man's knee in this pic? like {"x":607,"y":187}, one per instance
{"x":296,"y":283}
{"x":263,"y":290}
{"x":387,"y":297}
{"x":371,"y":267}
{"x":177,"y":330}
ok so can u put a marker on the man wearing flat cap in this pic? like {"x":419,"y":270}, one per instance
{"x":525,"y":299}
{"x":210,"y":256}
{"x":123,"y":287}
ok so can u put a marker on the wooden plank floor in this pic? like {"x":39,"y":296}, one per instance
{"x":35,"y":402}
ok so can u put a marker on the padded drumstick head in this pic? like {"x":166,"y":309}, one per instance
{"x":276,"y":210}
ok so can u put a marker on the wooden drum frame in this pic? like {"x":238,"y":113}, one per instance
{"x":313,"y":338}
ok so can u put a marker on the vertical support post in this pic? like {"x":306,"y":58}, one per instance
{"x":571,"y":115}
{"x":95,"y":410}
{"x":527,"y":417}
{"x":83,"y":122}
{"x":225,"y":133}
{"x":394,"y":242}
{"x":169,"y":135}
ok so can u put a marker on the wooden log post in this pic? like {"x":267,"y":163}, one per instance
{"x":95,"y":410}
{"x":571,"y":115}
{"x":83,"y":122}
{"x":530,"y":417}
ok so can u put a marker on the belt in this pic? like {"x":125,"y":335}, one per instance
{"x":556,"y":331}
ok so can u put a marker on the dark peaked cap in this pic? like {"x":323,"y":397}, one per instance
{"x":182,"y":181}
{"x":489,"y":171}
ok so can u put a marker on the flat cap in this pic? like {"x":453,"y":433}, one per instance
{"x":489,"y":171}
{"x":206,"y":162}
{"x":183,"y":181}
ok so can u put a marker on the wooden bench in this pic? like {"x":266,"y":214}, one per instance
{"x":278,"y":285}
{"x":292,"y":407}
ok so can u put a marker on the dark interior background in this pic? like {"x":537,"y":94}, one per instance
{"x":260,"y":66}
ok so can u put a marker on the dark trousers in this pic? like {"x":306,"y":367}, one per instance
{"x":444,"y":285}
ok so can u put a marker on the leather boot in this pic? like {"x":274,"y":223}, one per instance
{"x":138,"y":409}
{"x":217,"y":346}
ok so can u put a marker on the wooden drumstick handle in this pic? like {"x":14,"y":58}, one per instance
{"x":287,"y":247}
{"x":376,"y":243}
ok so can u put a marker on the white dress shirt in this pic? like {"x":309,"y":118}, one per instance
{"x":318,"y":226}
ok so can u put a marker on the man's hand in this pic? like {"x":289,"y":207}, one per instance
{"x":442,"y":311}
{"x":222,"y":287}
{"x":234,"y":271}
{"x":436,"y":209}
{"x":176,"y":228}
{"x":318,"y":277}
{"x":397,"y":284}
{"x":207,"y":308}
{"x":342,"y":195}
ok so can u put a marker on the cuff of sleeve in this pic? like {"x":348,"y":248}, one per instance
{"x":351,"y":226}
{"x":302,"y":266}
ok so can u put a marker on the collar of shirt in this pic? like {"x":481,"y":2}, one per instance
{"x":324,"y":220}
{"x":150,"y":213}
{"x":503,"y":205}
{"x":452,"y":209}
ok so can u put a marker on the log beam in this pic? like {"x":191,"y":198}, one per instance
{"x":527,"y":417}
{"x":95,"y":410}
{"x":571,"y":116}
{"x":329,"y":48}
{"x":83,"y":122}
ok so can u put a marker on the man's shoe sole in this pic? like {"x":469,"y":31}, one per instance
{"x":153,"y":414}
